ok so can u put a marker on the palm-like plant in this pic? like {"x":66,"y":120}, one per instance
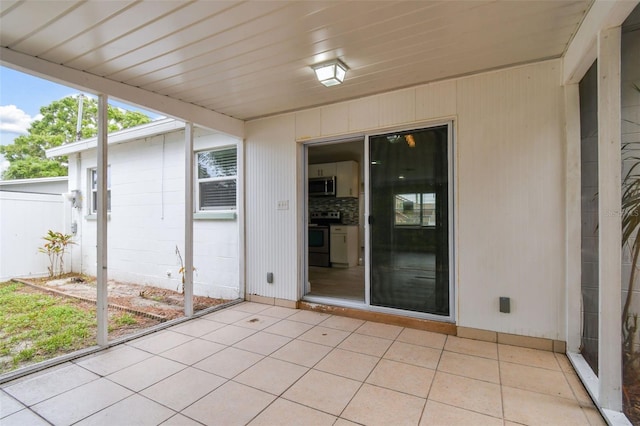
{"x":630,"y":226}
{"x":55,"y":248}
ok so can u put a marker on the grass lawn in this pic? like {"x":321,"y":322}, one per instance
{"x":35,"y":326}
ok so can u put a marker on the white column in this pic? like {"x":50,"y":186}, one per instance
{"x":573,"y":217}
{"x":188,"y":219}
{"x":610,"y":233}
{"x":241,"y":224}
{"x":101,"y":276}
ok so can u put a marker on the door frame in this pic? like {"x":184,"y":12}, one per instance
{"x":450,"y":122}
{"x":451,"y":206}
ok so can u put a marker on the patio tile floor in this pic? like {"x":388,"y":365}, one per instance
{"x":263,"y":365}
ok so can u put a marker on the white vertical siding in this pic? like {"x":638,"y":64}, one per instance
{"x":397,"y":107}
{"x":510,"y":210}
{"x":436,"y":100}
{"x":334,"y":119}
{"x":308,"y":124}
{"x":364,"y":114}
{"x":271,"y":234}
{"x":509,"y":169}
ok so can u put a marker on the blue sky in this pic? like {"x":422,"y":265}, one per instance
{"x":22,"y":96}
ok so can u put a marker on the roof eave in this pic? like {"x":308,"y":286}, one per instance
{"x":154,"y":128}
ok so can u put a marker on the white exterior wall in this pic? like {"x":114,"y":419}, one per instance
{"x":510,"y":212}
{"x":271,"y":234}
{"x":146,"y":221}
{"x":509,"y":180}
{"x":24,"y":220}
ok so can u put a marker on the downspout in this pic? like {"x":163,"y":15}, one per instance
{"x":79,"y":205}
{"x":79,"y":120}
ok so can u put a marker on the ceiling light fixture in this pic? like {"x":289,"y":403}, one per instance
{"x":410,"y":141}
{"x":330,"y":73}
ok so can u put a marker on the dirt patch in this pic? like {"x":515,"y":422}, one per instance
{"x":156,"y":303}
{"x":38,"y":325}
{"x":631,"y":394}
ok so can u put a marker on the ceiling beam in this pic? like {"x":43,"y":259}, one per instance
{"x":142,"y":98}
{"x":581,"y":52}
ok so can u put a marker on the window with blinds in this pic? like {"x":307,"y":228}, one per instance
{"x":93,"y":188}
{"x":217,"y":177}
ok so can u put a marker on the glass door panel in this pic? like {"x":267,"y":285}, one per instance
{"x":409,"y":220}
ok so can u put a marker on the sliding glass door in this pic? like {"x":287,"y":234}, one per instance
{"x":409,"y":220}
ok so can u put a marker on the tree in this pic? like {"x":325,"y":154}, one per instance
{"x":26,"y":155}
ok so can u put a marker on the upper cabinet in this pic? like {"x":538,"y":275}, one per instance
{"x":347,"y":179}
{"x":322,"y":170}
{"x":346,"y":173}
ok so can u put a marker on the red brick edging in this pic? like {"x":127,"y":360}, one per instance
{"x":84,"y":299}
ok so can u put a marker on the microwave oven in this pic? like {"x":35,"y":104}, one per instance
{"x":322,"y":187}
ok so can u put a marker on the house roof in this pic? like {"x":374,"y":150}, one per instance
{"x":14,"y":182}
{"x":213,"y":61}
{"x":153,"y":128}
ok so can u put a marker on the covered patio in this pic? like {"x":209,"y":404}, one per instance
{"x":266,"y":365}
{"x":504,"y":78}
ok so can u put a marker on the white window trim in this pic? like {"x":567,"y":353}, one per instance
{"x":215,"y":214}
{"x":93,"y":192}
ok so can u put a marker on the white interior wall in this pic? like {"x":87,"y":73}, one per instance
{"x":509,"y":190}
{"x":146,"y":221}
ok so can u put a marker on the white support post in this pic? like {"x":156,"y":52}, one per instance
{"x":573,"y":192}
{"x":101,"y":275}
{"x":188,"y":219}
{"x":610,"y":232}
{"x":241,"y":215}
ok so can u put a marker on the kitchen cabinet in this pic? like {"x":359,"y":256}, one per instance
{"x":343,"y":241}
{"x":322,"y":170}
{"x":347,"y":179}
{"x":346,"y":173}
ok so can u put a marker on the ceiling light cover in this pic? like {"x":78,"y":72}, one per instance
{"x":331,"y":73}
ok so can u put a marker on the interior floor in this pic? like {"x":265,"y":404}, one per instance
{"x":407,"y":280}
{"x":341,"y":283}
{"x":403,"y":280}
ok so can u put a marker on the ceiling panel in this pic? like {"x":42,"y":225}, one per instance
{"x":93,"y":45}
{"x":61,"y":30}
{"x":249,"y":59}
{"x":26,"y":19}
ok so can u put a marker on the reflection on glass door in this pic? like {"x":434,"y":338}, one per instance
{"x":409,"y":220}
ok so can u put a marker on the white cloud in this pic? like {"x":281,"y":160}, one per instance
{"x":14,"y":120}
{"x":4,"y":165}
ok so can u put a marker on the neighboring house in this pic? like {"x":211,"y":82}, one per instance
{"x":52,"y":185}
{"x":146,"y":208}
{"x":28,"y":209}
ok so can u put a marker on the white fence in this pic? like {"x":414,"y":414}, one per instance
{"x":24,"y":220}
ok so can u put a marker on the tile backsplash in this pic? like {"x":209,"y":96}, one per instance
{"x":347,"y":206}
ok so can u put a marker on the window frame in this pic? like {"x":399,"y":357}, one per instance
{"x":222,"y":210}
{"x":422,"y":216}
{"x":93,"y":190}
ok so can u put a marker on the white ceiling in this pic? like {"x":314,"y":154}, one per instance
{"x":249,"y":59}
